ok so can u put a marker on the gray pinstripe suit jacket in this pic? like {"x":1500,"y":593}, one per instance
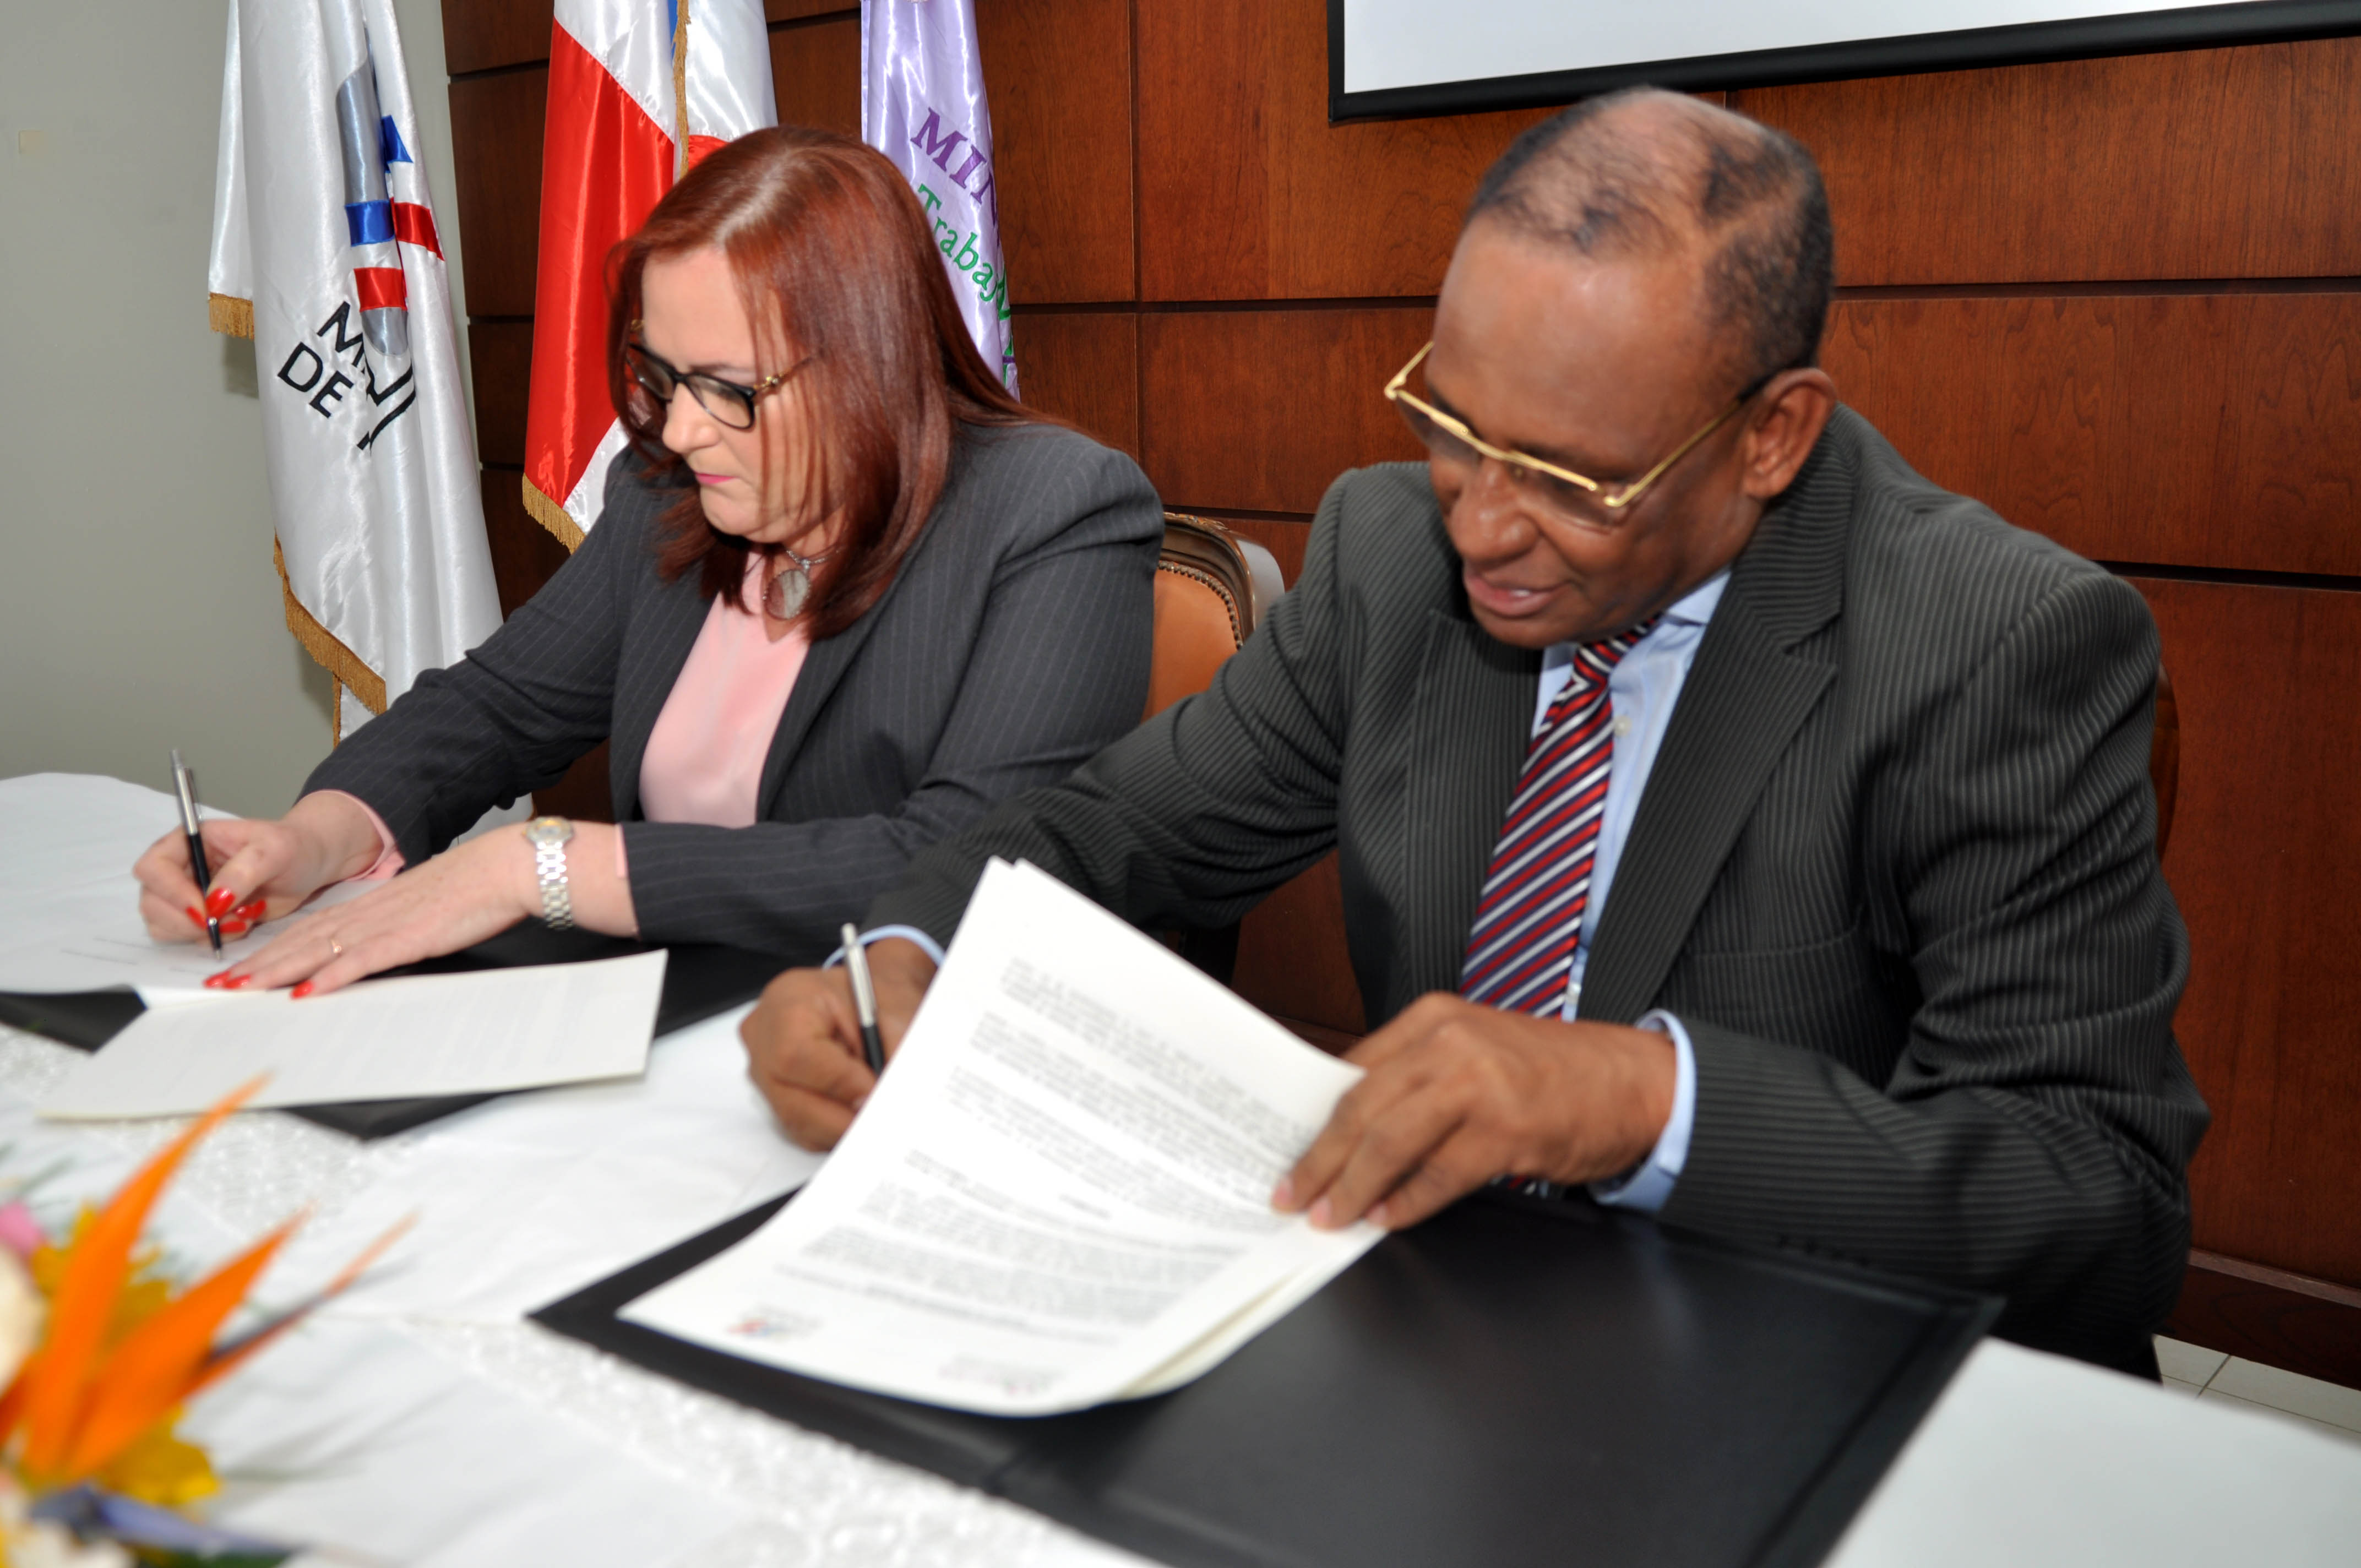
{"x":1895,"y":869}
{"x":1012,"y":645}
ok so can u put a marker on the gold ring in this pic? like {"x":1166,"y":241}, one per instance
{"x":335,"y":948}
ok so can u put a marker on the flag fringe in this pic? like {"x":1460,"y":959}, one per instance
{"x":229,"y":314}
{"x":551,"y":516}
{"x":332,"y":655}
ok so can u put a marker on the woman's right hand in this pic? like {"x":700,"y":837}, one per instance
{"x":262,"y":868}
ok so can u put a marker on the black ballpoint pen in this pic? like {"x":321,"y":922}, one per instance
{"x":864,"y":1000}
{"x":184,"y":784}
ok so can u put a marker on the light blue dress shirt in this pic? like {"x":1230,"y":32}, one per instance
{"x":1644,"y":690}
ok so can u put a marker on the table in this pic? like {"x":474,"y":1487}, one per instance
{"x":420,"y":1421}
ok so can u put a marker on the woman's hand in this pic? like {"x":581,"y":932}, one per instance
{"x":467,"y":892}
{"x":262,"y":868}
{"x":458,"y":898}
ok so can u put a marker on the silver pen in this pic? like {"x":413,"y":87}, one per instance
{"x":864,"y":1000}
{"x":184,"y":785}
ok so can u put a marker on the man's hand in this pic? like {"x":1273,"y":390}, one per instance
{"x":1457,"y":1094}
{"x":803,"y":1039}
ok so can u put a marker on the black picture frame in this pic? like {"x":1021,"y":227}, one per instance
{"x":2201,"y":27}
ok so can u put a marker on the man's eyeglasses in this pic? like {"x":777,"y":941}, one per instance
{"x":1572,"y":496}
{"x":728,"y":402}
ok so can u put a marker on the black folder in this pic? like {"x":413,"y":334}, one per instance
{"x":700,"y":979}
{"x":1515,"y":1382}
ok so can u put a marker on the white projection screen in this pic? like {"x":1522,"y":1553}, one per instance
{"x":1439,"y":57}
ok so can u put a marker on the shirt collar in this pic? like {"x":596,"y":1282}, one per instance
{"x":1695,"y":607}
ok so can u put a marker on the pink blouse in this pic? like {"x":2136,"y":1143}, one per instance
{"x":704,"y":762}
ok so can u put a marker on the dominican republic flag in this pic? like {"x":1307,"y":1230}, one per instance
{"x":922,"y":105}
{"x":638,"y":91}
{"x":325,"y":253}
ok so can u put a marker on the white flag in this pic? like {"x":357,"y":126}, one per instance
{"x":325,"y":253}
{"x":922,"y":105}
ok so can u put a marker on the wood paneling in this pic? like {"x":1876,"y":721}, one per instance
{"x":2265,"y":852}
{"x":1292,"y":956}
{"x":1284,"y":539}
{"x":2270,"y":1316}
{"x":815,"y":73}
{"x":2190,"y":430}
{"x":1260,"y":410}
{"x":796,"y":10}
{"x":501,"y":356}
{"x":2209,"y":163}
{"x":1083,"y":365}
{"x":1060,"y":76}
{"x":495,"y":130}
{"x":524,"y":553}
{"x":1247,"y":193}
{"x":478,"y":35}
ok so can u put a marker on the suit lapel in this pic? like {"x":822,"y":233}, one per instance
{"x":824,"y":668}
{"x":1474,"y":716}
{"x":1744,"y":699}
{"x":661,"y":637}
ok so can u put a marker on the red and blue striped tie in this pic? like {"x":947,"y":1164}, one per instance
{"x":1529,"y":920}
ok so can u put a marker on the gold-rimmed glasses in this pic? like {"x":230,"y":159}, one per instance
{"x":728,"y":401}
{"x":1566,"y":492}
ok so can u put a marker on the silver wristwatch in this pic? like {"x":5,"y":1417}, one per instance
{"x":549,"y":836}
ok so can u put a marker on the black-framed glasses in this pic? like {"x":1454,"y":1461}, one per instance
{"x":728,"y":401}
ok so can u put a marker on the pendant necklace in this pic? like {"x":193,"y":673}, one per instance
{"x":783,"y":598}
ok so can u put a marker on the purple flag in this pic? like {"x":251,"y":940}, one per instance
{"x":922,"y":105}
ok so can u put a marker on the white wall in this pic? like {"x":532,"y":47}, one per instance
{"x":139,"y":607}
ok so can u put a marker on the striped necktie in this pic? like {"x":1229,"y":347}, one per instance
{"x":1528,"y":921}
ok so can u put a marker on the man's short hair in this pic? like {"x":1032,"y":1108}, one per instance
{"x":1597,"y":179}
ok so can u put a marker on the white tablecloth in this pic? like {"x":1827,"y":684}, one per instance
{"x":421,"y":1421}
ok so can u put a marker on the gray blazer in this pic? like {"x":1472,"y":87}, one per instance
{"x":1012,"y":645}
{"x":1895,"y":870}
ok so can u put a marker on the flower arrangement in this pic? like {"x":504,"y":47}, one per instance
{"x":100,"y":1353}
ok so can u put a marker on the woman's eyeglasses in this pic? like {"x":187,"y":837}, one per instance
{"x":728,"y":402}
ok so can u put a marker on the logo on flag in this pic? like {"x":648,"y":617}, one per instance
{"x":325,"y":253}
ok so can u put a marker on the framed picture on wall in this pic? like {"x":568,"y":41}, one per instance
{"x":1451,"y":57}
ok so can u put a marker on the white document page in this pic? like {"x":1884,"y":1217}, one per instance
{"x":382,"y":1039}
{"x":1059,"y":1193}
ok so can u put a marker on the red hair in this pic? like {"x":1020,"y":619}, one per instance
{"x":831,"y":253}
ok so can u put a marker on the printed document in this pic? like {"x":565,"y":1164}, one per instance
{"x":1059,"y":1192}
{"x":381,"y":1039}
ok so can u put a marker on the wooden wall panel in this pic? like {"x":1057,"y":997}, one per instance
{"x":1060,"y":76}
{"x":524,"y":553}
{"x":815,"y":73}
{"x":797,"y":10}
{"x":1083,"y":365}
{"x":501,"y":356}
{"x":2209,"y":163}
{"x":2265,"y":853}
{"x":2192,"y":430}
{"x":495,"y":130}
{"x":1247,"y":193}
{"x":1292,"y":956}
{"x":1259,"y":410}
{"x":481,"y":35}
{"x":1285,"y":538}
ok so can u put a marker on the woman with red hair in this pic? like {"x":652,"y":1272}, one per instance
{"x":846,"y":593}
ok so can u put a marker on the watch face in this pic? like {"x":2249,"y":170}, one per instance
{"x":549,"y":830}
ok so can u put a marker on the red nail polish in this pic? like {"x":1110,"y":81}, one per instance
{"x":196,"y":915}
{"x":250,"y":910}
{"x":217,"y":982}
{"x":233,"y":927}
{"x":302,"y":987}
{"x":218,"y":901}
{"x":237,"y":981}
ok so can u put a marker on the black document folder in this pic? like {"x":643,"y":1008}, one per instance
{"x":1512,"y":1383}
{"x":700,"y":981}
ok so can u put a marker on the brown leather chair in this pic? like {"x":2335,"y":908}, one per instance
{"x":1213,"y":588}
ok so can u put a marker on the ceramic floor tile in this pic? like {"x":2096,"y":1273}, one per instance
{"x":2288,"y":1391}
{"x":2337,"y":1433}
{"x":2184,"y":1363}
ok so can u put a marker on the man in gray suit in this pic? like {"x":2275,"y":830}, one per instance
{"x":1888,"y":969}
